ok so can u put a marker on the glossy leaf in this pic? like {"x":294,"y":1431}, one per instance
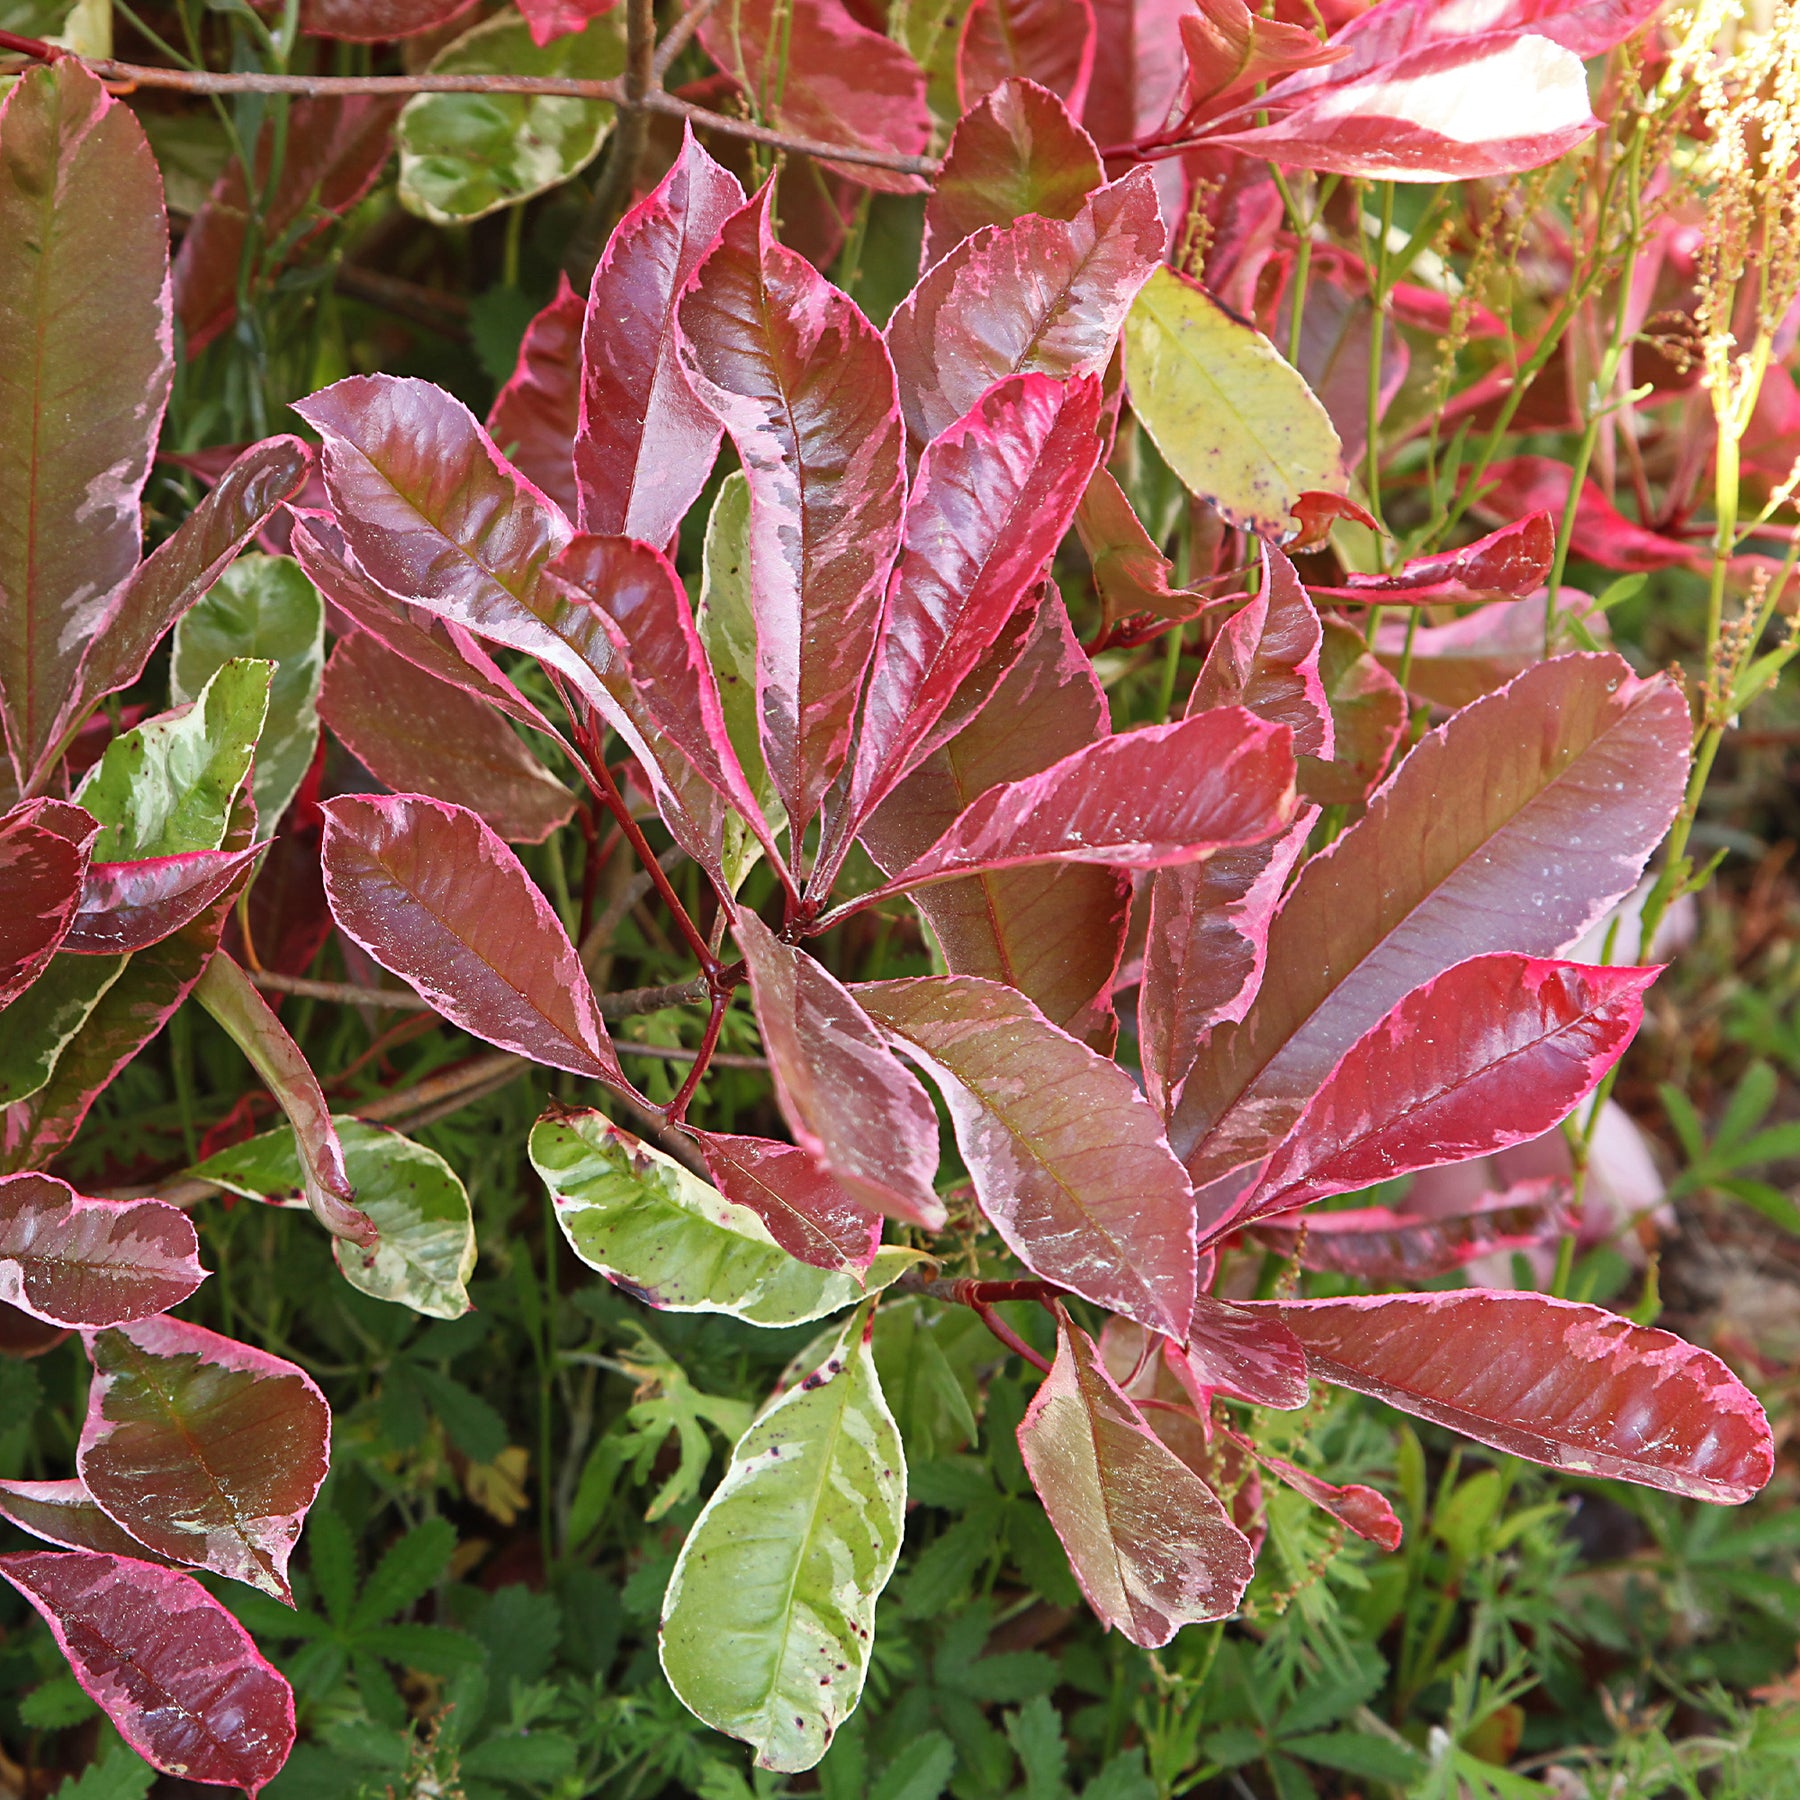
{"x":992,"y":499}
{"x":1148,"y":1540}
{"x":79,"y":192}
{"x":1511,"y":827}
{"x":801,"y":381}
{"x":43,"y":860}
{"x":1131,"y":575}
{"x":426,"y":1249}
{"x":769,"y":1616}
{"x":1602,"y":533}
{"x":1386,"y":30}
{"x":69,"y":1260}
{"x":1018,"y":151}
{"x":1234,"y":421}
{"x":1493,"y":1052}
{"x":1053,"y":931}
{"x":1068,"y":1159}
{"x":433,"y":895}
{"x":261,"y":606}
{"x":229,"y":995}
{"x":1230,"y":49}
{"x":814,"y":70}
{"x":46,"y":1019}
{"x":463,"y":156}
{"x":1513,"y":561}
{"x":64,"y":1513}
{"x":850,"y":1103}
{"x":535,"y":415}
{"x":676,"y":1243}
{"x":808,"y":1214}
{"x":1244,"y":1355}
{"x":1036,"y":40}
{"x":207,"y":1451}
{"x":1139,"y":69}
{"x":420,"y":735}
{"x":1361,"y":1508}
{"x":1040,"y":296}
{"x":1557,"y":1383}
{"x":173,"y":1670}
{"x":1142,"y":800}
{"x":643,"y":444}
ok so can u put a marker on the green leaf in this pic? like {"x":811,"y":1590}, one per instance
{"x":920,"y":1772}
{"x":662,"y":1233}
{"x":463,"y":156}
{"x":165,"y":787}
{"x":59,"y":1702}
{"x":475,"y":1428}
{"x":1358,"y":1753}
{"x":1037,"y":1736}
{"x":119,"y":1773}
{"x":426,"y":1251}
{"x":332,"y":1558}
{"x":262,"y":606}
{"x":429,"y":1647}
{"x":770,"y":1613}
{"x":927,"y":1360}
{"x":1466,"y":1515}
{"x":43,"y":1021}
{"x":521,"y":1756}
{"x":1237,"y":423}
{"x":406,"y":1573}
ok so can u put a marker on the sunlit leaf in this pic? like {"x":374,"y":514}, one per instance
{"x":1043,"y":41}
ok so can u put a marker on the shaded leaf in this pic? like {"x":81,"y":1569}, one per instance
{"x":1068,"y":1159}
{"x":172,"y":1669}
{"x":535,"y":415}
{"x":1131,"y":575}
{"x":375,"y":21}
{"x":1368,"y":713}
{"x":207,"y":1451}
{"x":1148,"y":1540}
{"x":64,"y":1513}
{"x":1039,"y":40}
{"x":808,"y":1214}
{"x":769,"y":1616}
{"x":131,"y":905}
{"x":43,"y":861}
{"x":1365,"y":1511}
{"x":46,"y":1019}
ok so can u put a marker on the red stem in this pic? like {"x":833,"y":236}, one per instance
{"x":676,"y":1110}
{"x":1004,"y":1332}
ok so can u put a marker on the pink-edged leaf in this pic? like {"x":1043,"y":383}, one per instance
{"x":1266,"y":659}
{"x":1016,"y":152}
{"x":801,"y":381}
{"x":1140,"y":69}
{"x":1230,"y":49}
{"x":229,"y":995}
{"x":1053,"y":931}
{"x":1148,"y":1540}
{"x":991,"y":502}
{"x":206,"y":1450}
{"x":434,"y":896}
{"x":420,"y":735}
{"x":1040,"y":296}
{"x":1067,"y":1157}
{"x":815,"y":71}
{"x":849,"y":1101}
{"x":1513,"y":561}
{"x":1141,"y":800}
{"x":1043,"y":41}
{"x":72,"y":1261}
{"x":1368,"y":716}
{"x":551,"y":19}
{"x":79,"y":193}
{"x":1494,"y":1051}
{"x":1510,"y":828}
{"x":1450,"y":111}
{"x":1244,"y":1355}
{"x":376,"y":21}
{"x":1570,"y":1386}
{"x":43,"y":859}
{"x":1362,"y":1509}
{"x":24,"y":1337}
{"x":645,"y":445}
{"x":64,"y":1513}
{"x":1130,"y":573}
{"x":535,"y":416}
{"x":806,"y":1210}
{"x":1389,"y":1249}
{"x":174,"y":1671}
{"x":333,"y":150}
{"x":131,"y":905}
{"x":1602,"y":533}
{"x":1456,"y":663}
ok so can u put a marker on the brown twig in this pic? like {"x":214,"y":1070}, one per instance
{"x":677,"y":37}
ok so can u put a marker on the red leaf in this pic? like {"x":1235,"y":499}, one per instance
{"x":420,"y":735}
{"x":816,"y":72}
{"x":1148,"y":1540}
{"x":991,"y":502}
{"x":1570,"y":1386}
{"x":1163,"y":794}
{"x":172,"y":1669}
{"x":801,"y":381}
{"x":549,"y":19}
{"x":1386,"y":31}
{"x":1366,"y":1512}
{"x":1052,"y":931}
{"x":69,"y":1260}
{"x":376,"y":21}
{"x":434,"y":896}
{"x":1230,"y":49}
{"x":1266,"y":659}
{"x":1139,"y":69}
{"x":1236,"y":1353}
{"x":1335,"y":318}
{"x":43,"y":858}
{"x":1513,"y":561}
{"x":131,"y":905}
{"x":64,"y":1513}
{"x":206,"y":1450}
{"x":1390,"y":1249}
{"x":1041,"y":296}
{"x":1130,"y":573}
{"x":849,"y":1101}
{"x":645,"y":444}
{"x":1050,"y":42}
{"x":806,"y":1210}
{"x":534,"y":418}
{"x":1017,"y":152}
{"x":1602,"y":533}
{"x":1068,"y":1159}
{"x":1452,"y":110}
{"x":1368,"y":716}
{"x":1511,"y":827}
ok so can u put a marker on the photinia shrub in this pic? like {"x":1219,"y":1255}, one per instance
{"x":1304,"y":933}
